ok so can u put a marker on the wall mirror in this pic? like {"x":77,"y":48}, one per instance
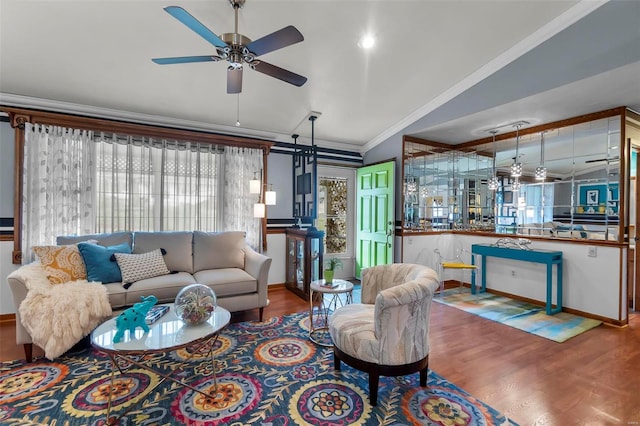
{"x":446,"y":189}
{"x":578,"y":198}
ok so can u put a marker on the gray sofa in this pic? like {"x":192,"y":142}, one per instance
{"x":222,"y":261}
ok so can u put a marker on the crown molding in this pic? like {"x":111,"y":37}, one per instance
{"x":27,"y":102}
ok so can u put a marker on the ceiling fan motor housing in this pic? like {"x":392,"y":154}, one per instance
{"x":236,"y":53}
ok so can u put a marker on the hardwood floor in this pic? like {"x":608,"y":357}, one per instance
{"x":592,"y":379}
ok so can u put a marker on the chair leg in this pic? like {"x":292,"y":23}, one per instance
{"x":423,"y":376}
{"x":261,"y":312}
{"x":28,"y":351}
{"x":336,"y":362}
{"x":373,"y":388}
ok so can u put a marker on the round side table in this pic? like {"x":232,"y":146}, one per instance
{"x":339,"y":293}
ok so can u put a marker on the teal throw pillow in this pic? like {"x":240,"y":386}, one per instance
{"x":97,"y":261}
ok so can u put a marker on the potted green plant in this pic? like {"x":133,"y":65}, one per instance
{"x":330,"y":265}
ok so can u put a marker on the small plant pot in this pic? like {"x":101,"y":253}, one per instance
{"x":328,"y":276}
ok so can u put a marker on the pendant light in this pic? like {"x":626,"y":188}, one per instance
{"x":516,"y":167}
{"x":541,"y":170}
{"x":493,"y":182}
{"x":424,"y":191}
{"x":516,"y":185}
{"x":270,"y":196}
{"x":259,"y":210}
{"x":254,"y":184}
{"x":410,"y":183}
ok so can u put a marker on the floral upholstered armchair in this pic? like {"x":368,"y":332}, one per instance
{"x":388,"y":333}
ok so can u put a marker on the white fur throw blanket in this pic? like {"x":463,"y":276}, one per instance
{"x":59,"y":316}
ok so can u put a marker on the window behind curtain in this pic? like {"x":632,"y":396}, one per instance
{"x":153,"y":185}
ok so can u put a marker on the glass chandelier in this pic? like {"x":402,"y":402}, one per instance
{"x":411,"y":186}
{"x":493,"y":182}
{"x":516,"y":185}
{"x":541,"y":170}
{"x":516,"y":167}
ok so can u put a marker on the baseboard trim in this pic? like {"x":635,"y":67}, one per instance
{"x":7,"y":318}
{"x":606,"y":320}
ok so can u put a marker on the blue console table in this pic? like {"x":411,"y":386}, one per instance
{"x":546,"y":257}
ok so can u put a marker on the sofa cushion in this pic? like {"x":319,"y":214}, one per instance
{"x":117,"y":295}
{"x":61,"y":263}
{"x":165,"y":287}
{"x":214,"y":250}
{"x":136,"y":267}
{"x":106,"y":240}
{"x":178,"y":246}
{"x":227,"y":281}
{"x":97,"y":260}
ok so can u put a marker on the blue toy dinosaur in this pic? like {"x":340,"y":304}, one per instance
{"x":134,"y":317}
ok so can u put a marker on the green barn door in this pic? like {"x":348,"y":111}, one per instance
{"x":375,"y":219}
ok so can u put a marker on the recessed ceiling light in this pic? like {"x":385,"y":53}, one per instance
{"x":367,"y":41}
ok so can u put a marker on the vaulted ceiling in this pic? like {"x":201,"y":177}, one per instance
{"x":442,"y":70}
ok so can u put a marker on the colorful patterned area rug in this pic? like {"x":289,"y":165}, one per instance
{"x":269,"y":373}
{"x":521,"y":315}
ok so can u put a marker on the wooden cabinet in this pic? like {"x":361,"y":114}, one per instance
{"x":304,"y":259}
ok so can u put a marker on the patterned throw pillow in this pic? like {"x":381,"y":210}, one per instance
{"x":61,"y":263}
{"x":136,"y":267}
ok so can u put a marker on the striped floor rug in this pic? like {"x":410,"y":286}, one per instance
{"x":521,"y":315}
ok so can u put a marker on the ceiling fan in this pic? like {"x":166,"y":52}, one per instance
{"x":238,"y":49}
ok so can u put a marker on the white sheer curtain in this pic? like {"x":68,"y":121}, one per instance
{"x":239,"y":166}
{"x":128,"y":191}
{"x":192,"y":186}
{"x":58,"y":186}
{"x":150,"y":185}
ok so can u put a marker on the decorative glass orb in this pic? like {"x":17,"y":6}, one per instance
{"x":195,"y":303}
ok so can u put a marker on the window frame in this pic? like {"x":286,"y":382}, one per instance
{"x":19,"y":116}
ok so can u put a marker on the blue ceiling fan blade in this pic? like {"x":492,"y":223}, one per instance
{"x":276,"y":40}
{"x":186,"y":59}
{"x":196,"y":26}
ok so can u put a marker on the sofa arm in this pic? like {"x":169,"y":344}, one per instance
{"x":257,"y":265}
{"x":19,"y":291}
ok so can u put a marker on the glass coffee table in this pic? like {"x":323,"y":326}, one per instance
{"x":167,"y":334}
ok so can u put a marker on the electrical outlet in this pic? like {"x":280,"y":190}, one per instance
{"x":592,"y":251}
